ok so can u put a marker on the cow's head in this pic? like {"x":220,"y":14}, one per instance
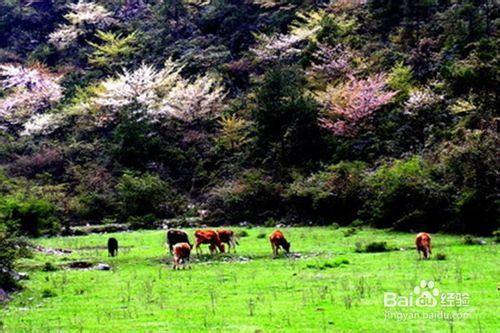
{"x":427,"y":252}
{"x":286,"y":246}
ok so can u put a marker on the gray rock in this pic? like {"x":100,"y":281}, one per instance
{"x":4,"y":297}
{"x":103,"y":267}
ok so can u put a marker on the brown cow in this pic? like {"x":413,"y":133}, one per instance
{"x":277,"y":239}
{"x":227,"y":236}
{"x":208,"y":237}
{"x":176,"y":236}
{"x":423,"y":243}
{"x":182,"y":251}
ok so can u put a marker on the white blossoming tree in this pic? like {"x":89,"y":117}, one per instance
{"x":284,"y":47}
{"x":82,"y":17}
{"x":157,"y":95}
{"x":88,"y":13}
{"x":29,"y":90}
{"x":41,"y":124}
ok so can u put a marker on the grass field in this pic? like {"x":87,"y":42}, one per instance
{"x":329,"y":288}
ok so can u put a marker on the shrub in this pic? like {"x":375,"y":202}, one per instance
{"x":334,"y":194}
{"x":48,"y":160}
{"x":10,"y":249}
{"x":404,"y":196}
{"x":29,"y":216}
{"x":349,"y":232}
{"x":147,"y":194}
{"x":496,"y":236}
{"x":49,"y":267}
{"x":252,"y":197}
{"x":372,"y":247}
{"x":469,"y":167}
{"x":46,"y":293}
{"x":440,"y":256}
{"x":242,"y":233}
{"x":261,"y":235}
{"x":143,"y":222}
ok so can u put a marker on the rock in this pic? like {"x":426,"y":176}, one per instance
{"x":4,"y":297}
{"x":23,"y":275}
{"x":103,"y":267}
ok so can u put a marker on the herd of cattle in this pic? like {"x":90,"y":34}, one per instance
{"x":180,"y":247}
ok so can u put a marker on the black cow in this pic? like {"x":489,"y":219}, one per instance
{"x":176,"y":236}
{"x":112,"y":247}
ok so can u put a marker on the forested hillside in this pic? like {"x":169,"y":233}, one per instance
{"x":304,"y":112}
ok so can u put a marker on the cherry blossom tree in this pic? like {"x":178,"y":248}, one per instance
{"x":85,"y":13}
{"x":189,"y":101}
{"x":41,"y":124}
{"x":82,"y":16}
{"x":420,"y":99}
{"x":161,"y":94}
{"x":29,"y":90}
{"x":348,"y":106}
{"x":331,"y":62}
{"x":64,"y":36}
{"x":285,"y":47}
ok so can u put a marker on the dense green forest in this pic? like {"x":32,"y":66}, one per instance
{"x":378,"y":113}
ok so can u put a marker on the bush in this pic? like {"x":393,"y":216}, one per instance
{"x":10,"y":249}
{"x":147,"y":194}
{"x":49,"y":267}
{"x":29,"y":216}
{"x":404,"y":196}
{"x":351,"y":231}
{"x":496,"y":236}
{"x":252,"y":197}
{"x":143,"y":222}
{"x":440,"y":256}
{"x":372,"y":247}
{"x":242,"y":233}
{"x":469,"y":166}
{"x":334,"y":194}
{"x":261,"y":235}
{"x":46,"y":293}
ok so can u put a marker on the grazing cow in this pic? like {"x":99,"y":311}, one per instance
{"x":112,"y":247}
{"x":176,"y":236}
{"x":277,"y":239}
{"x":423,"y":242}
{"x":208,"y":237}
{"x":227,"y":236}
{"x":182,"y":251}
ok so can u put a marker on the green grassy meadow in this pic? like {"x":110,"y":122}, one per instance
{"x":329,"y":288}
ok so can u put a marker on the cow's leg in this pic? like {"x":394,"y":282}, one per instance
{"x":233,"y":244}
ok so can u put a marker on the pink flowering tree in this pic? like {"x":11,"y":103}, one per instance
{"x":331,"y":62}
{"x":347,"y":107}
